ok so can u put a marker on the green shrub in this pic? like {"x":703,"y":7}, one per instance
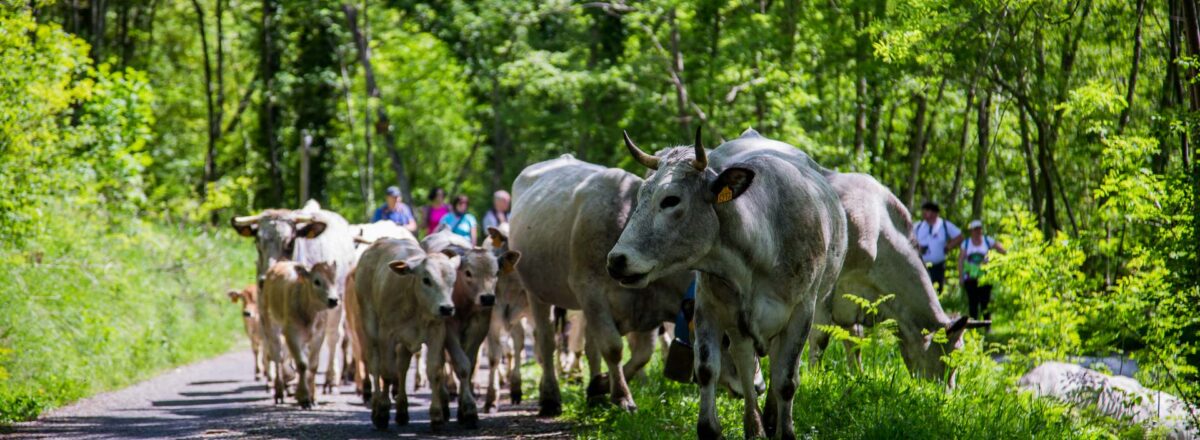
{"x":90,"y":306}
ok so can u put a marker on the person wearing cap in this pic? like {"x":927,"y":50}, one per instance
{"x":498,"y":214}
{"x":396,"y":211}
{"x":970,"y":263}
{"x":936,"y":237}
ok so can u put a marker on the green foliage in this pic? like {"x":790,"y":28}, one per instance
{"x":83,"y":309}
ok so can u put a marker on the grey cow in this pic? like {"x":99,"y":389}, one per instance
{"x":768,"y":239}
{"x":881,"y":259}
{"x":566,"y":215}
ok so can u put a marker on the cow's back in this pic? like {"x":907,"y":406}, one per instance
{"x":563,"y":212}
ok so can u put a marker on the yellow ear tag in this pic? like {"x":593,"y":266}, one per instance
{"x":496,"y":243}
{"x":725,"y":195}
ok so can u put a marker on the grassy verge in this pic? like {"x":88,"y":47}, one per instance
{"x":88,"y":307}
{"x":882,"y":402}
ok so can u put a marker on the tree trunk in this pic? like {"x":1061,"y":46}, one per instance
{"x":861,"y":57}
{"x":916,"y":141}
{"x":367,"y":145}
{"x":383,"y":126}
{"x":269,"y":112}
{"x":1049,"y":212}
{"x":983,"y":152}
{"x":1133,"y":69}
{"x":1035,"y":201}
{"x":305,"y":166}
{"x":681,"y":94}
{"x":210,"y":156}
{"x":964,"y":137}
{"x":886,"y":150}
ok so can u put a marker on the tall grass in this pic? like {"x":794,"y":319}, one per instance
{"x":881,"y":402}
{"x":88,"y":306}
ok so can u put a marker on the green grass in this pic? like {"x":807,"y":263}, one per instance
{"x":883,"y":402}
{"x":108,"y":305}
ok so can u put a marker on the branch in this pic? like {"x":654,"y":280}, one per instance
{"x":615,"y":9}
{"x":241,"y":108}
{"x":733,"y":92}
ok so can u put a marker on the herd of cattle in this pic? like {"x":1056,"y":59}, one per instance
{"x":772,"y":239}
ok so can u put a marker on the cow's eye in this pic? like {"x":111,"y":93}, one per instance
{"x":468,"y":274}
{"x":668,"y":202}
{"x":317,"y":282}
{"x":426,"y":281}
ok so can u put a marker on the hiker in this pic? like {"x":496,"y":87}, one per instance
{"x":971,"y":259}
{"x":936,"y":237}
{"x":396,"y":211}
{"x":459,"y":221}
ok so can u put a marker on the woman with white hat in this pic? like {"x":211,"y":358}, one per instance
{"x":974,"y":255}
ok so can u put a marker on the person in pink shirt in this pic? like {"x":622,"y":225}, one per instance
{"x":436,"y":209}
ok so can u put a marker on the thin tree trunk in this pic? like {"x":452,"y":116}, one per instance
{"x":1035,"y":201}
{"x":1133,"y":69}
{"x":1192,"y":37}
{"x":983,"y":152}
{"x":681,"y":94}
{"x":364,"y":184}
{"x":860,"y":88}
{"x":916,"y":141}
{"x":964,"y":137}
{"x":383,"y":125}
{"x":367,"y":144}
{"x":269,"y":111}
{"x":305,"y":166}
{"x":885,"y":154}
{"x":466,"y":167}
{"x":210,"y":155}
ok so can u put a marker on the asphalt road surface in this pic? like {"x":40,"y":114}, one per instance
{"x":218,"y":398}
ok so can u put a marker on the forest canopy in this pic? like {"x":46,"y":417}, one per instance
{"x":1068,"y":127}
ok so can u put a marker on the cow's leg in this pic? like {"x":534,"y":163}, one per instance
{"x":495,"y":359}
{"x":381,"y":402}
{"x":603,"y":332}
{"x":744,"y":359}
{"x":597,"y":385}
{"x":549,"y":399}
{"x":403,"y":358}
{"x":468,"y":413}
{"x":578,"y":347}
{"x":256,"y":349}
{"x":641,"y":348}
{"x":785,"y":364}
{"x":516,"y":332}
{"x":333,"y":342}
{"x":313,"y":352}
{"x":708,"y":368}
{"x":299,"y":351}
{"x":435,"y":369}
{"x":419,"y":378}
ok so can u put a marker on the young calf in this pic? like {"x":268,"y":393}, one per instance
{"x":249,"y":298}
{"x":508,"y":317}
{"x":402,"y":297}
{"x":297,"y":304}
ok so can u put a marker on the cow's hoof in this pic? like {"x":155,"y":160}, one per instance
{"x":306,"y":404}
{"x":469,"y":421}
{"x":550,"y":409}
{"x":705,"y":431}
{"x":516,"y":396}
{"x":437,"y":425}
{"x":445,"y":413}
{"x":401,"y":416}
{"x":626,"y":404}
{"x":366,"y":395}
{"x":489,"y":408}
{"x":379,"y":418}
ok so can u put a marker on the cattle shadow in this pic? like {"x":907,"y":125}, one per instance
{"x":215,"y":401}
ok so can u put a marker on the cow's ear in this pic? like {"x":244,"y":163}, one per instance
{"x":497,"y":237}
{"x":400,"y":267}
{"x":454,"y":251}
{"x":956,"y":328}
{"x":302,"y":272}
{"x":233,"y":295}
{"x":508,"y":261}
{"x":731,"y":183}
{"x":311,"y":230}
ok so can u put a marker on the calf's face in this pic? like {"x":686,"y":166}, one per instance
{"x":319,"y":284}
{"x":249,"y":299}
{"x":476,"y":277}
{"x":674,"y":222}
{"x":435,"y":275}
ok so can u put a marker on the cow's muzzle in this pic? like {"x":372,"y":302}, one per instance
{"x":446,"y":311}
{"x":617,"y":267}
{"x":487,"y":300}
{"x":333,"y":302}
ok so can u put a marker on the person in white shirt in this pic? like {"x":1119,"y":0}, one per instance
{"x":970,"y":264}
{"x":936,"y":237}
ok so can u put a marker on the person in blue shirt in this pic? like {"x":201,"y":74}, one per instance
{"x":396,"y":211}
{"x":459,"y":221}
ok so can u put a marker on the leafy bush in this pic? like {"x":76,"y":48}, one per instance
{"x":82,"y":310}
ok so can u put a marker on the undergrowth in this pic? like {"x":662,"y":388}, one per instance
{"x":89,"y":306}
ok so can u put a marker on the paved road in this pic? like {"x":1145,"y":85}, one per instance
{"x":218,"y":398}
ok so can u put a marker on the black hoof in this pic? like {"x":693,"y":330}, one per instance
{"x":446,"y":413}
{"x":550,"y":409}
{"x":706,"y":432}
{"x":516,"y":397}
{"x":437,"y":426}
{"x":366,"y":395}
{"x":489,"y":408}
{"x":306,"y":404}
{"x":401,"y":416}
{"x":469,"y":421}
{"x":379,"y":418}
{"x":598,"y":387}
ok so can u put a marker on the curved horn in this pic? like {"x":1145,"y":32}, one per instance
{"x":247,"y":220}
{"x":646,"y":160}
{"x":301,"y":217}
{"x":701,"y":160}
